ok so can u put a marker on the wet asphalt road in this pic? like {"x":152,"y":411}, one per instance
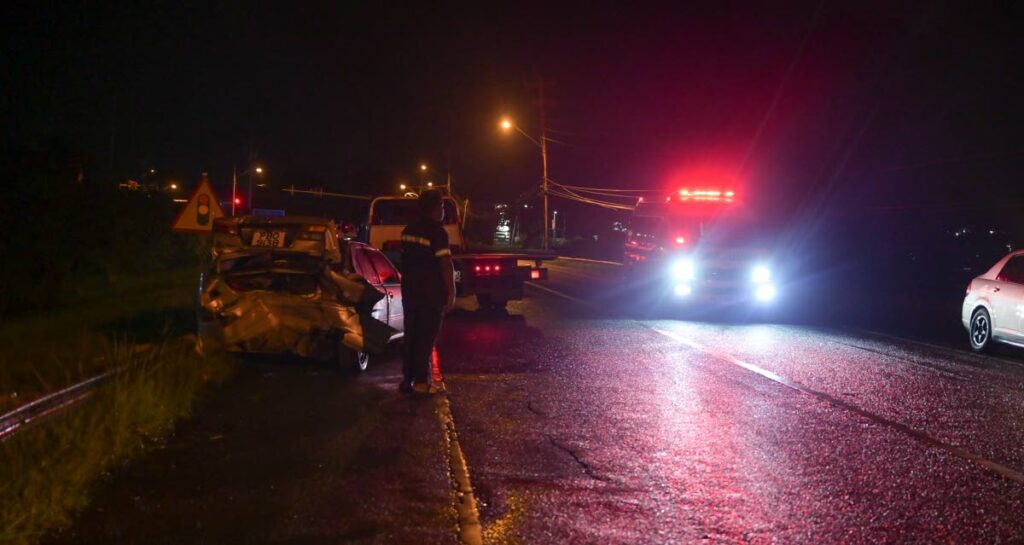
{"x":582,"y":424}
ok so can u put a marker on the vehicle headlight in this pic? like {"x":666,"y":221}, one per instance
{"x":761,"y":275}
{"x":684,"y":269}
{"x":765,"y":293}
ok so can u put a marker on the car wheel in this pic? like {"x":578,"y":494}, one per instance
{"x":351,"y":361}
{"x":981,"y":330}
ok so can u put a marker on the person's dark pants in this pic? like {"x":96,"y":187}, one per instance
{"x":422,"y":324}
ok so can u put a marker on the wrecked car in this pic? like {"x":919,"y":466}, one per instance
{"x":288,"y":285}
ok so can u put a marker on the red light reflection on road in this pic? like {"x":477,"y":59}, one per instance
{"x":435,"y":367}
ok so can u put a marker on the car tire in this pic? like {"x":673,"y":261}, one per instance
{"x":351,"y":361}
{"x":980,"y":332}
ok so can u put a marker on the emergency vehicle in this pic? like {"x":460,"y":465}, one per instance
{"x":700,"y":247}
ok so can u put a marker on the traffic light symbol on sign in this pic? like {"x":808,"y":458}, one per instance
{"x":199,"y":213}
{"x":203,"y":209}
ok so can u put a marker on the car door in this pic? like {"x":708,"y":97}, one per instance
{"x":1009,"y":320}
{"x":363,"y":265}
{"x":391,"y":283}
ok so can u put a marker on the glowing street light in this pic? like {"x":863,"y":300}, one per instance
{"x":401,"y":186}
{"x":430,"y":184}
{"x":259,"y":170}
{"x":507,"y":125}
{"x":174,"y":186}
{"x":423,"y":167}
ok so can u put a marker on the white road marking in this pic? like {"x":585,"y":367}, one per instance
{"x":1004,"y":471}
{"x":585,"y":260}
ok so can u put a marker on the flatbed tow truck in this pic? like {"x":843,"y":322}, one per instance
{"x":493,"y":277}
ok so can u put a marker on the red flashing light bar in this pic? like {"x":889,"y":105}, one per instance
{"x":706,"y":195}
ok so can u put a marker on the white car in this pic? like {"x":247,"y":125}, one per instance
{"x":994,"y":306}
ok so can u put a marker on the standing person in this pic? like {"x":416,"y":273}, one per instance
{"x":428,"y":290}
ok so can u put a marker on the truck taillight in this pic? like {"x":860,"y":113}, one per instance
{"x":535,"y":274}
{"x":487,"y":269}
{"x":680,"y":240}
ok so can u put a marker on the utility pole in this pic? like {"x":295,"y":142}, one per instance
{"x":544,"y":158}
{"x":542,"y":105}
{"x":252,"y":171}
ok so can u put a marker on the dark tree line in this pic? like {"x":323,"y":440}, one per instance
{"x":59,"y":228}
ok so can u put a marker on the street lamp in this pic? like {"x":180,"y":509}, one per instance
{"x":401,"y":186}
{"x":507,"y":125}
{"x":427,"y":169}
{"x":234,"y":185}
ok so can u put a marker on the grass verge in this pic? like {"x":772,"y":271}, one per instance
{"x":54,"y":348}
{"x":46,"y":470}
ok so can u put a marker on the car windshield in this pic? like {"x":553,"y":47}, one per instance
{"x":405,"y":211}
{"x":723,"y":229}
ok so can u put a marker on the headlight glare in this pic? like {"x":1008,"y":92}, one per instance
{"x":684,"y":269}
{"x":761,"y":275}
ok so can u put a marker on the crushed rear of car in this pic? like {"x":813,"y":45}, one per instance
{"x":277,"y":286}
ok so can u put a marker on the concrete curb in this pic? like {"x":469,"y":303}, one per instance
{"x":470,"y":530}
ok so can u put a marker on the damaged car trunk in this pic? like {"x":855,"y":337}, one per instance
{"x":282,"y":301}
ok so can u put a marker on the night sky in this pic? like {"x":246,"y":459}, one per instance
{"x":801,"y":105}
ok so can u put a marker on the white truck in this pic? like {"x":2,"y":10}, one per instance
{"x":494,"y":278}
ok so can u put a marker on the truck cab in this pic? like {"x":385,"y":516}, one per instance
{"x":494,"y":278}
{"x":390,"y":215}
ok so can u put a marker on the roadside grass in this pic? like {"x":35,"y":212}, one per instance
{"x":46,"y":471}
{"x":52,"y":349}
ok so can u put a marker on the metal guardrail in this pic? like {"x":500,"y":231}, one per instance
{"x":49,"y":404}
{"x":54,"y":402}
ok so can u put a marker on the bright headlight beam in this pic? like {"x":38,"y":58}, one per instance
{"x":761,"y":275}
{"x":683,"y":269}
{"x":765,"y":293}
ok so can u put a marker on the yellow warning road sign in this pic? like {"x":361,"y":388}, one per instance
{"x":202,"y":208}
